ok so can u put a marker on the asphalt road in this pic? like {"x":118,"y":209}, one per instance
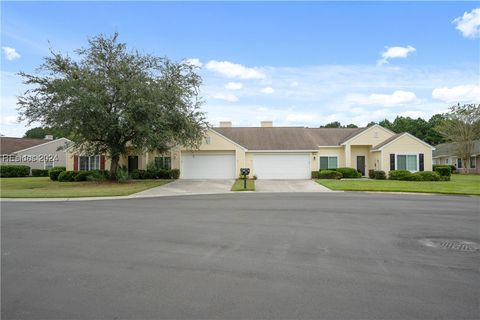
{"x":336,"y":255}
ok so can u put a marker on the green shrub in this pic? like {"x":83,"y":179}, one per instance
{"x":174,"y":174}
{"x":137,"y":174}
{"x":427,"y":176}
{"x":98,"y":175}
{"x":329,"y":174}
{"x":54,"y":172}
{"x":349,"y":173}
{"x":400,"y":175}
{"x":371,"y":174}
{"x":67,"y":176}
{"x":39,"y":172}
{"x":443,"y":171}
{"x":315,"y":174}
{"x":452,"y":167}
{"x":379,"y":175}
{"x":121,"y":175}
{"x":7,"y":171}
{"x":82,"y":175}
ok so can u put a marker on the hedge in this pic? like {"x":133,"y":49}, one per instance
{"x":452,"y":167}
{"x":329,"y":174}
{"x":371,"y":174}
{"x":10,"y":171}
{"x":315,"y":175}
{"x":444,"y":171}
{"x":349,"y":173}
{"x":53,"y":173}
{"x":379,"y":175}
{"x":40,"y":172}
{"x":406,"y":175}
{"x":66,"y":176}
{"x":155,"y":174}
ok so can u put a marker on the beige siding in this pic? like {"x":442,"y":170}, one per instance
{"x":376,"y":161}
{"x":407,"y":145}
{"x":371,"y":136}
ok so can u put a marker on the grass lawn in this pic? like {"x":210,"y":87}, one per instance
{"x":459,"y":184}
{"x":43,"y":187}
{"x":238,"y":185}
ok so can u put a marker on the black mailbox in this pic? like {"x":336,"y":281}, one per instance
{"x":244,"y":171}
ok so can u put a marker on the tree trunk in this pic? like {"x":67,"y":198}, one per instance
{"x":114,"y":165}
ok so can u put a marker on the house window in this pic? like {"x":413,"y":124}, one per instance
{"x":446,"y":161}
{"x":89,"y":163}
{"x":459,"y":163}
{"x":328,"y":163}
{"x":407,"y":162}
{"x":473,"y":162}
{"x":163,"y":162}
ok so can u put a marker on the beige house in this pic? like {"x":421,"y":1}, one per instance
{"x":447,"y":153}
{"x":280,"y":152}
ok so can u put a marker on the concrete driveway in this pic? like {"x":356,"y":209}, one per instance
{"x":188,"y":187}
{"x":241,"y":256}
{"x":289,"y":186}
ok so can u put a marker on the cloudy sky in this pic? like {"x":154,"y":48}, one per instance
{"x":294,"y":63}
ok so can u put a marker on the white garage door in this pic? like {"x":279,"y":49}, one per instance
{"x":207,"y":166}
{"x":282,"y":166}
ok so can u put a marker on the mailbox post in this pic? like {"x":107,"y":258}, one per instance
{"x":244,"y":172}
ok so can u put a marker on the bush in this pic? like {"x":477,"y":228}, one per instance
{"x":452,"y":167}
{"x":174,"y":174}
{"x":371,"y":174}
{"x":121,"y":175}
{"x":67,"y":176}
{"x":349,"y":173}
{"x":329,"y":174}
{"x":98,"y":175}
{"x":400,"y":175}
{"x":7,"y":171}
{"x":427,"y":176}
{"x":39,"y":172}
{"x":379,"y":175}
{"x":315,"y":174}
{"x":82,"y":175}
{"x":443,"y":171}
{"x":54,"y":172}
{"x":137,"y":174}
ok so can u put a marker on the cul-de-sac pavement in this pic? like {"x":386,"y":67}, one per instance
{"x":253,"y":255}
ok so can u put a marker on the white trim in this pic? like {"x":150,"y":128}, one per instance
{"x":42,"y":144}
{"x":408,"y":154}
{"x":405,"y":134}
{"x":282,"y":151}
{"x":367,"y":129}
{"x":330,"y":146}
{"x":328,"y":156}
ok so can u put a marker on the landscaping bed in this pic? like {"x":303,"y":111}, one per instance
{"x":459,"y":184}
{"x":238,"y":185}
{"x":43,"y":187}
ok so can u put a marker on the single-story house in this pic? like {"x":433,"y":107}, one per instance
{"x":35,"y":153}
{"x":447,"y":153}
{"x":279,"y":152}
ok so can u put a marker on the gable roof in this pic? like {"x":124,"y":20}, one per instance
{"x":286,"y":138}
{"x":383,"y":144}
{"x":9,"y":145}
{"x":365,"y":129}
{"x":450,"y":149}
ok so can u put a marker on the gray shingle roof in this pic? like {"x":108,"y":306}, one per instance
{"x":8,"y":145}
{"x":450,"y":149}
{"x":287,"y":138}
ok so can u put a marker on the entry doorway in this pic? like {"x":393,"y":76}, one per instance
{"x":132,"y":163}
{"x":361,"y":164}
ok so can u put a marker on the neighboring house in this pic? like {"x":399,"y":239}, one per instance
{"x":447,"y":153}
{"x":35,"y":153}
{"x":280,"y":152}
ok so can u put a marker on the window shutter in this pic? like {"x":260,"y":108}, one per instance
{"x":392,"y":161}
{"x":102,"y":162}
{"x":75,"y":163}
{"x":421,"y":162}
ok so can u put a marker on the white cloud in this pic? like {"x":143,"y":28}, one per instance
{"x":469,"y":24}
{"x":10,"y":53}
{"x":395,"y":52}
{"x":464,"y":93}
{"x":398,"y":97}
{"x":234,"y":70}
{"x":226,"y":96}
{"x":8,"y":120}
{"x":413,"y":114}
{"x":233,"y":86}
{"x":268,"y":90}
{"x":194,"y":62}
{"x":294,"y":84}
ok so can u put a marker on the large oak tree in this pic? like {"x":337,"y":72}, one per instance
{"x":109,"y":99}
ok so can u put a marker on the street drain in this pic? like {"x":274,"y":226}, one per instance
{"x":457,"y":245}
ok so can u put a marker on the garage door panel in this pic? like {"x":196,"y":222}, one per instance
{"x":282,"y":166}
{"x":207,"y":166}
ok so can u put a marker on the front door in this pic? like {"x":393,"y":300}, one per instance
{"x":132,"y":163}
{"x":361,"y":164}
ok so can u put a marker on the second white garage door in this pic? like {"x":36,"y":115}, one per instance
{"x":207,"y":166}
{"x":282,"y":166}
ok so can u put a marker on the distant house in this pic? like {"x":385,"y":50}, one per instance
{"x":277,"y":152}
{"x":447,"y":153}
{"x":35,"y":153}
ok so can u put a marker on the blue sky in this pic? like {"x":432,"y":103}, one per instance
{"x":294,"y":63}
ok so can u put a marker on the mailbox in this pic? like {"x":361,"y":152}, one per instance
{"x":245,"y":171}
